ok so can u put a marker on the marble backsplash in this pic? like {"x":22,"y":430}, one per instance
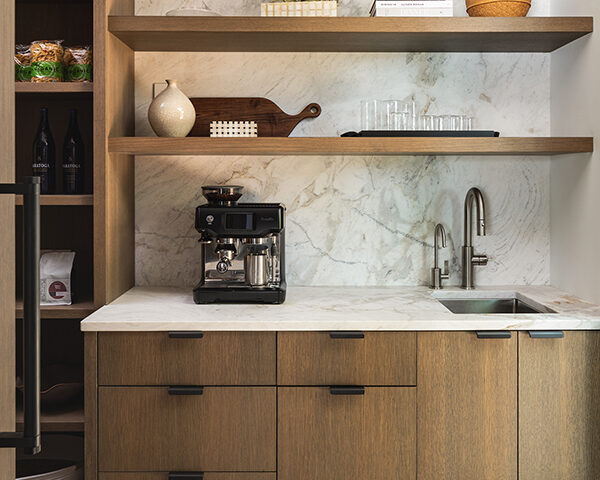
{"x":355,"y":220}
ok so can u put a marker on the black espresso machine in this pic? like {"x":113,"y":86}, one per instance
{"x":243,"y":249}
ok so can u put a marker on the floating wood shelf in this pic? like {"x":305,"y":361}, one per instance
{"x":63,"y":200}
{"x":57,"y":422}
{"x":54,"y":87}
{"x":350,"y":146}
{"x":348,"y":34}
{"x":78,"y":310}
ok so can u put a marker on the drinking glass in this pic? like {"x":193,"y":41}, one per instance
{"x":389,"y":113}
{"x":369,"y":114}
{"x":400,"y":121}
{"x":467,"y":122}
{"x":425,"y":122}
{"x":455,"y":122}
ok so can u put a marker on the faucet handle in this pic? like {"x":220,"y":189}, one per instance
{"x":480,"y":260}
{"x":445,"y":275}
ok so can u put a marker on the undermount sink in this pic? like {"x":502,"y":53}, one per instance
{"x":491,"y":305}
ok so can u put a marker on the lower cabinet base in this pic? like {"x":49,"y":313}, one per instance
{"x":206,"y":476}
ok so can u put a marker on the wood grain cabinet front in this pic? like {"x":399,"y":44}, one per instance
{"x":559,"y":409}
{"x":218,"y":429}
{"x":347,"y":358}
{"x":347,"y":435}
{"x":203,"y":475}
{"x":187,"y":358}
{"x":467,"y":406}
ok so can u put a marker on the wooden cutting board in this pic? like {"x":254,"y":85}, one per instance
{"x":271,"y":120}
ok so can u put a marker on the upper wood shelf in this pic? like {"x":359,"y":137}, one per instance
{"x":348,"y":34}
{"x":54,"y":87}
{"x":350,"y":146}
{"x":78,"y":310}
{"x":57,"y":422}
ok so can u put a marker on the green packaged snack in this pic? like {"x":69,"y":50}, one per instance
{"x":78,"y":64}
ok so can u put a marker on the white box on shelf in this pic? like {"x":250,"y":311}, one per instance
{"x":412,"y":8}
{"x":299,"y":9}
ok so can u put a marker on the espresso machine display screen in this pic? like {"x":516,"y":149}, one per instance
{"x":239,"y":221}
{"x":243,"y":249}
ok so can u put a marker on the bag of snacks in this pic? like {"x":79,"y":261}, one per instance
{"x":22,"y":64}
{"x":78,"y":64}
{"x":46,"y":61}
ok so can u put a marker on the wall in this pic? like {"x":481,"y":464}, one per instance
{"x":575,"y":81}
{"x":355,"y":220}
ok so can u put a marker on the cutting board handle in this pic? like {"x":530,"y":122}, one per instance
{"x":312,"y":111}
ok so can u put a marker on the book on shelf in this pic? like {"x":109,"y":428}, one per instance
{"x":412,"y":8}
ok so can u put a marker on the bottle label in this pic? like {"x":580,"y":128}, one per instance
{"x":79,"y":73}
{"x":47,"y":70}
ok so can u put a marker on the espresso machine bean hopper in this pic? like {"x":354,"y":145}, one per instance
{"x":243,"y":249}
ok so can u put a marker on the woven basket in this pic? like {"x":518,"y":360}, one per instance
{"x":498,"y":8}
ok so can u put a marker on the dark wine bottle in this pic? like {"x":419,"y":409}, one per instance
{"x":73,"y":158}
{"x":44,"y":155}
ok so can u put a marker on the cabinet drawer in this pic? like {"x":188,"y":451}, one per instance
{"x":206,"y":476}
{"x":223,"y":429}
{"x":338,"y":437}
{"x":218,"y":358}
{"x":315,"y":358}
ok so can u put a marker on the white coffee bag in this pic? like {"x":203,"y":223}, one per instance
{"x":55,"y":277}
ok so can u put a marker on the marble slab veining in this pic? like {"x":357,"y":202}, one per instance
{"x":354,"y":220}
{"x":340,"y":308}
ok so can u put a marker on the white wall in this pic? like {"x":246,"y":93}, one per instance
{"x":575,"y":180}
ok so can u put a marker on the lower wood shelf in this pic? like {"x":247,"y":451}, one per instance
{"x":57,"y":422}
{"x":54,"y":87}
{"x":351,"y":146}
{"x":78,"y":310}
{"x":62,"y":200}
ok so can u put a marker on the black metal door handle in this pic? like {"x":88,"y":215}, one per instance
{"x":349,"y":335}
{"x":186,"y":334}
{"x":547,"y":334}
{"x":186,"y":390}
{"x":495,"y":334}
{"x":29,"y":439}
{"x":186,"y":475}
{"x":347,"y":390}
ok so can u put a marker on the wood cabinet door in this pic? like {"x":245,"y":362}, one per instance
{"x":467,"y":407}
{"x":230,"y":429}
{"x":339,"y":437}
{"x":559,"y":407}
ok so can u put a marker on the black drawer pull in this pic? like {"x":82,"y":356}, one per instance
{"x":547,"y":334}
{"x":186,"y":476}
{"x":186,"y":390}
{"x":350,"y":335}
{"x":347,"y":390}
{"x":495,"y":334}
{"x":186,"y":334}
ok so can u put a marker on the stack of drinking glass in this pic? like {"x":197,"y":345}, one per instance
{"x":398,"y":115}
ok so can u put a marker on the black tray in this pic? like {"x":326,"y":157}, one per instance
{"x":423,"y":133}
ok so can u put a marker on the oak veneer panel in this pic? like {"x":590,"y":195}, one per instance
{"x":90,"y":401}
{"x":219,"y":358}
{"x":7,"y":236}
{"x":559,"y":418}
{"x":337,"y":437}
{"x":207,"y":476}
{"x":114,"y":244}
{"x":62,"y":200}
{"x":314,"y":358}
{"x":348,"y":34}
{"x":350,"y":146}
{"x":78,"y":310}
{"x":467,"y":415}
{"x":225,"y":429}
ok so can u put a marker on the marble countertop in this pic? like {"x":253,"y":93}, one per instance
{"x":341,"y":308}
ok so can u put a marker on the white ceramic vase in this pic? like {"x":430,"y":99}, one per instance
{"x":171,"y":114}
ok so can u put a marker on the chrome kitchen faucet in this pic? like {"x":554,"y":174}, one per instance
{"x":469,"y":259}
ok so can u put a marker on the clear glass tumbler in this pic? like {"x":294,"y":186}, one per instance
{"x":369,"y":114}
{"x":425,"y":122}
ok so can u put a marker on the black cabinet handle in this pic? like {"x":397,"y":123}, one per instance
{"x":495,"y":334}
{"x":186,"y":334}
{"x":547,"y":334}
{"x":349,"y":335}
{"x":29,"y":439}
{"x":186,"y":475}
{"x":186,"y":390}
{"x":347,"y":390}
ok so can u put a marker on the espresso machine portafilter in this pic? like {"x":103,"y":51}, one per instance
{"x":242,"y":249}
